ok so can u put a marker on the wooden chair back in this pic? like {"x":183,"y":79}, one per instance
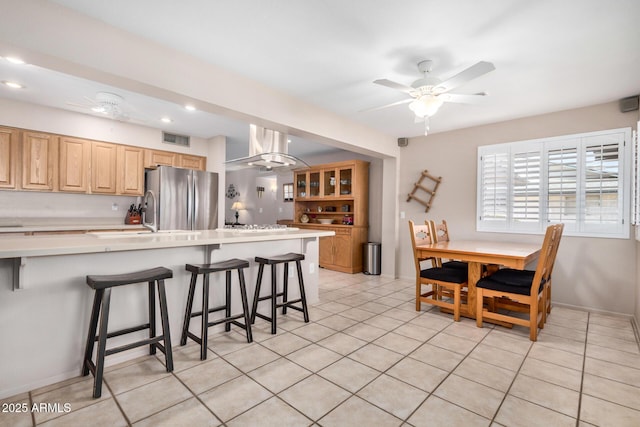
{"x":441,"y":231}
{"x":420,"y":235}
{"x":547,"y":256}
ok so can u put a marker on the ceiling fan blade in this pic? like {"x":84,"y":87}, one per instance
{"x":394,"y":85}
{"x":462,"y":77}
{"x":475,"y":98}
{"x":404,"y":101}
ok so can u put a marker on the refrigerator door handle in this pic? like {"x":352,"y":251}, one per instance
{"x":190,"y":200}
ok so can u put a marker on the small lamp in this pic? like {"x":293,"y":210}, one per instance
{"x":236,"y":207}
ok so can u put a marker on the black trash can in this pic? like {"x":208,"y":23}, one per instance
{"x":371,"y":257}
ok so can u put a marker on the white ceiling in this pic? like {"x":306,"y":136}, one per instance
{"x":549,"y":56}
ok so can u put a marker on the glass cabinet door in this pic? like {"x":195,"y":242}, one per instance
{"x":301,"y":185}
{"x":314,"y":184}
{"x":329,"y":182}
{"x":346,"y":179}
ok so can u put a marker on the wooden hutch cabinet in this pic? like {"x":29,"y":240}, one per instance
{"x":335,"y":196}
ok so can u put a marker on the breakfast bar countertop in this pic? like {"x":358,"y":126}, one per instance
{"x":99,"y":242}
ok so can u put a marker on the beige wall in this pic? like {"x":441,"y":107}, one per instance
{"x":591,"y":272}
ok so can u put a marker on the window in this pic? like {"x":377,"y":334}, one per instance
{"x":581,"y":180}
{"x":287,"y":192}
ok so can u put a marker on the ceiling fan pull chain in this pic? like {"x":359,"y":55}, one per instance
{"x":426,"y":125}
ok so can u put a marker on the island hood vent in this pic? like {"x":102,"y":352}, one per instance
{"x":268,"y":150}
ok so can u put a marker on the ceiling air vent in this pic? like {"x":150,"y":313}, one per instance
{"x":173,"y":139}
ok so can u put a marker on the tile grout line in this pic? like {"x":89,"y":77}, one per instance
{"x":584,"y":362}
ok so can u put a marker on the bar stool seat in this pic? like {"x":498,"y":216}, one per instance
{"x":205,"y":269}
{"x":273,"y":261}
{"x":102,"y":285}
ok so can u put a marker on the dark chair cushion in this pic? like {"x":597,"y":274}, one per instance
{"x":456,"y":264}
{"x":514,"y":277}
{"x":510,"y":280}
{"x":453,"y":275}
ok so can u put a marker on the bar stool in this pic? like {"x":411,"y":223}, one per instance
{"x":273,"y":261}
{"x":102,"y":297}
{"x":205,"y":269}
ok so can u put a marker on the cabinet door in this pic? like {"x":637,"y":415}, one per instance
{"x":39,"y":161}
{"x":8,"y":157}
{"x":75,"y":155}
{"x":326,"y":251}
{"x":192,"y":162}
{"x":130,"y":167}
{"x":342,"y":250}
{"x":329,"y":183}
{"x":314,"y":184}
{"x":300,"y":184}
{"x":345,"y":183}
{"x":103,"y":168}
{"x":153,"y":158}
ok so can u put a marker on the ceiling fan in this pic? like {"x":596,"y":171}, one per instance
{"x":107,"y":103}
{"x":428,"y":93}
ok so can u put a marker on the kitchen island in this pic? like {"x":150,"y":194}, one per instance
{"x":45,"y":303}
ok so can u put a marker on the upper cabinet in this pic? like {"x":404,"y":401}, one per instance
{"x":192,"y":162}
{"x":154,"y":158}
{"x":130,"y":167}
{"x":74,"y":160}
{"x":103,"y":168}
{"x":338,"y":191}
{"x":39,"y":161}
{"x":31,"y":160}
{"x":9,"y":163}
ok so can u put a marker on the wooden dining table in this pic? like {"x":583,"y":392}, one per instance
{"x":478,"y":253}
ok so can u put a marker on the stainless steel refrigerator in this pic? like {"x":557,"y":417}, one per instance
{"x":181,"y":199}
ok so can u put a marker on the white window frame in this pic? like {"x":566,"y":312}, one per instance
{"x":530,"y":220}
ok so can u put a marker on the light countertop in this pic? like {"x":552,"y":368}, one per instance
{"x":46,"y":245}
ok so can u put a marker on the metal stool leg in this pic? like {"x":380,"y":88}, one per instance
{"x":187,"y":313}
{"x":205,"y":316}
{"x":102,"y":342}
{"x":91,"y":335}
{"x":152,"y":315}
{"x":274,"y":297}
{"x":254,"y":309}
{"x":285,"y":288}
{"x":303,"y":296}
{"x":245,"y":305}
{"x":164,"y":316}
{"x":227,"y":310}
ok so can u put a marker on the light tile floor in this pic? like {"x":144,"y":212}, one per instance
{"x":367,"y":358}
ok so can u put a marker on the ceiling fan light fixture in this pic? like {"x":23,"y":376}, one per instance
{"x":426,"y":106}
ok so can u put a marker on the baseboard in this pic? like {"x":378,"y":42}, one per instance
{"x":593,"y":310}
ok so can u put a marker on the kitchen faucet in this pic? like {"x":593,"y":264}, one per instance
{"x":154,"y":225}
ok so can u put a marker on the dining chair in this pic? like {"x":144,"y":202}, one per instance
{"x":522,"y":288}
{"x":438,"y":277}
{"x":547,"y":287}
{"x":440,"y":233}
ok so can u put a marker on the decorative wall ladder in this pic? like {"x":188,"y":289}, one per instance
{"x":419,"y":186}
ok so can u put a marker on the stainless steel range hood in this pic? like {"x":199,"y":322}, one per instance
{"x":268,"y":151}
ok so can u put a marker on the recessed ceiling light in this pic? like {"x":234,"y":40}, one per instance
{"x":190,"y":108}
{"x":166,"y":119}
{"x":13,"y":85}
{"x":288,"y":141}
{"x":14,"y":60}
